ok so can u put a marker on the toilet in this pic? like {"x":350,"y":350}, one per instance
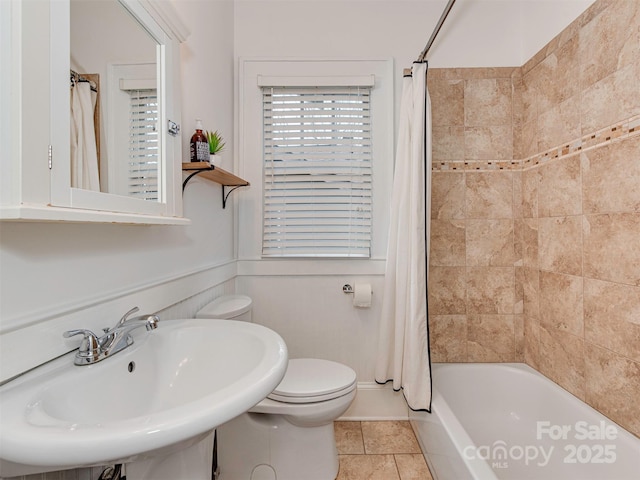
{"x":289,"y":435}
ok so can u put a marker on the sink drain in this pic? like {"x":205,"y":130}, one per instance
{"x":131,"y":367}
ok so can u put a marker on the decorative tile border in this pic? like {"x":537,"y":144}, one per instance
{"x":616,"y":132}
{"x":476,"y":165}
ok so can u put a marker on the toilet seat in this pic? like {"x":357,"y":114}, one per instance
{"x":309,"y":380}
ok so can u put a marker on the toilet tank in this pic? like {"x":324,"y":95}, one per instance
{"x":230,"y":307}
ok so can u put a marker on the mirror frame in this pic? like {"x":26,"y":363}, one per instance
{"x":62,"y":193}
{"x":34,"y":152}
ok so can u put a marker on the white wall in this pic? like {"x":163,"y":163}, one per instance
{"x":207,"y":93}
{"x":497,"y":33}
{"x":316,"y":319}
{"x":477,"y":33}
{"x":544,"y":19}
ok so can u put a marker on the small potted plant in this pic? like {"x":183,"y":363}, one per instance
{"x":216,"y":146}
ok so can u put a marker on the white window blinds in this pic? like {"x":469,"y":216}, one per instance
{"x":142,"y":180}
{"x":317,"y":172}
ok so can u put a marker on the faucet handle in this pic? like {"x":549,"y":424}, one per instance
{"x":81,"y":331}
{"x":89,"y":351}
{"x":126,"y":315}
{"x":89,"y":343}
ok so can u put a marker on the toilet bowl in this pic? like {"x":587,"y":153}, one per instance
{"x":289,"y":435}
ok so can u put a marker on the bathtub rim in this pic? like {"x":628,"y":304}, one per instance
{"x":475,"y":469}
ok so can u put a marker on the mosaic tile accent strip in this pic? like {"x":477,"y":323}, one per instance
{"x":616,"y":132}
{"x":476,"y":165}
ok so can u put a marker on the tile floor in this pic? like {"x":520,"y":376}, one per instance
{"x":385,"y":450}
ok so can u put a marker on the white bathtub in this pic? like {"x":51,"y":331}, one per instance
{"x":507,"y":421}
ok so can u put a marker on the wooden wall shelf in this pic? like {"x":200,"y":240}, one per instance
{"x":215,"y":174}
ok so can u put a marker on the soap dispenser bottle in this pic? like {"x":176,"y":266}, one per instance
{"x":199,"y":148}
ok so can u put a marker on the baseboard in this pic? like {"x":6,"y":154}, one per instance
{"x":376,"y":402}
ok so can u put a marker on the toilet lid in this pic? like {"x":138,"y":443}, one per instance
{"x":226,"y":306}
{"x":313,"y":380}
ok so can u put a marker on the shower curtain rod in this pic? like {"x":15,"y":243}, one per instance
{"x":78,"y":77}
{"x":443,"y":17}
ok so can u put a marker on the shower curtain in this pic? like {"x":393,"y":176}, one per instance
{"x":84,"y":155}
{"x":403,"y":345}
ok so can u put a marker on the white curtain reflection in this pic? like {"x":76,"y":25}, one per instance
{"x":84,"y":155}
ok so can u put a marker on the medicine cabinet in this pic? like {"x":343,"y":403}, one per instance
{"x":126,"y":53}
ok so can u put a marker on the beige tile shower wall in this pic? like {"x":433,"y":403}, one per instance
{"x":475,"y":310}
{"x":582,"y":210}
{"x":565,"y":296}
{"x":582,"y":276}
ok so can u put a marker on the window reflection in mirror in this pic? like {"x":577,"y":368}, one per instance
{"x":115,"y":134}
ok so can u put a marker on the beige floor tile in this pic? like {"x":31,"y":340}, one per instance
{"x":349,"y":437}
{"x":389,"y":437}
{"x":367,"y":467}
{"x":412,"y":467}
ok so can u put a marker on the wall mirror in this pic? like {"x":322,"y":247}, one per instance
{"x":115,"y":132}
{"x":112,"y":149}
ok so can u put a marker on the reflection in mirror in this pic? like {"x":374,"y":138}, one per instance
{"x":115,"y":132}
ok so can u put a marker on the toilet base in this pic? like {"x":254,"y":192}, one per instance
{"x":257,"y":446}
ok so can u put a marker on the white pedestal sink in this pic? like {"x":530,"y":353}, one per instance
{"x":152,"y":406}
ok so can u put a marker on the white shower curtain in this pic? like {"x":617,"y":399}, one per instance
{"x":403,"y":345}
{"x":84,"y":155}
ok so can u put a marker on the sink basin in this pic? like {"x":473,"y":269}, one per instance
{"x":168,"y":390}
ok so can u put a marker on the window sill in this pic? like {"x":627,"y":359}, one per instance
{"x":307,"y":266}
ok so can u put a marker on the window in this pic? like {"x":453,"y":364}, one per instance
{"x":371,"y":83}
{"x":142,"y":178}
{"x":134,"y":145}
{"x":317,"y":171}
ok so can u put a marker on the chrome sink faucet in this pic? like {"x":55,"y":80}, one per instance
{"x":94,"y":348}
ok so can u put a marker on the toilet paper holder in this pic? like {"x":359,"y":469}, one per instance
{"x":348,"y":289}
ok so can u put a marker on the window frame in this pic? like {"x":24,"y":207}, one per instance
{"x":250,"y":154}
